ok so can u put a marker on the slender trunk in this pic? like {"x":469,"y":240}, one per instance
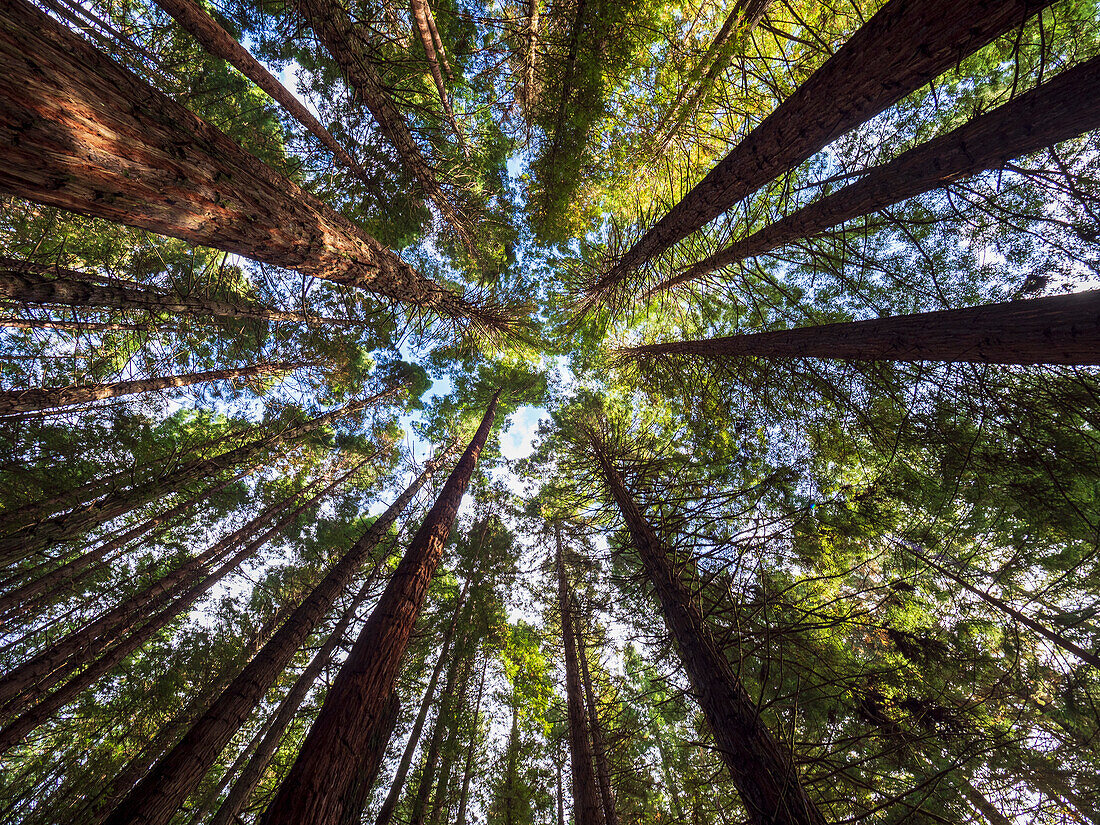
{"x":85,"y":134}
{"x":586,"y":795}
{"x":668,"y":774}
{"x":900,"y":49}
{"x":429,"y":38}
{"x":371,"y":763}
{"x":511,"y":778}
{"x":983,"y":806}
{"x":761,"y":767}
{"x":13,"y":402}
{"x":253,"y":772}
{"x":467,"y":770}
{"x":31,"y":539}
{"x":31,"y":283}
{"x":561,"y":794}
{"x":136,"y":638}
{"x":1058,"y":110}
{"x":599,"y":745}
{"x":443,"y":786}
{"x":1055,"y":638}
{"x":71,"y":326}
{"x":30,"y":597}
{"x":315,"y":789}
{"x":1060,"y":329}
{"x":216,"y":40}
{"x":385,"y":813}
{"x":165,"y":788}
{"x":336,"y":31}
{"x":435,"y":744}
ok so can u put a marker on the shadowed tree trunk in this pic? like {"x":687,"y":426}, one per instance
{"x":421,"y":14}
{"x":371,"y":763}
{"x":160,"y":794}
{"x":336,"y":31}
{"x":599,"y":743}
{"x":135,"y":638}
{"x":83,"y":133}
{"x":52,"y":664}
{"x":216,"y":40}
{"x":1058,"y":110}
{"x":13,"y":402}
{"x":1061,"y":329}
{"x":70,"y":326}
{"x":31,"y":283}
{"x":906,"y":44}
{"x":443,"y":787}
{"x":586,"y":794}
{"x":31,"y":539}
{"x":314,"y":792}
{"x":467,"y":770}
{"x":385,"y":813}
{"x":759,"y":764}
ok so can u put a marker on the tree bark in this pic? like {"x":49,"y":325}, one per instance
{"x":336,"y":31}
{"x":1061,"y":329}
{"x":431,"y":813}
{"x":50,"y":665}
{"x":314,"y":791}
{"x":371,"y":763}
{"x":385,"y":813}
{"x":14,"y":402}
{"x":85,"y":134}
{"x":30,"y":596}
{"x":70,"y":326}
{"x":586,"y":794}
{"x":1058,"y":110}
{"x":761,"y":768}
{"x":216,"y":40}
{"x":906,"y":44}
{"x":421,"y":14}
{"x":599,"y":743}
{"x":31,"y":539}
{"x":460,"y":817}
{"x":31,"y":283}
{"x":157,"y":797}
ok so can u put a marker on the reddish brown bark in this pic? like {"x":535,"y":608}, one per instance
{"x":421,"y":14}
{"x":906,"y":44}
{"x":13,"y":402}
{"x":314,"y":791}
{"x":761,"y":768}
{"x":1058,"y":110}
{"x":161,"y":792}
{"x":586,"y":794}
{"x":599,"y":742}
{"x":85,"y":134}
{"x":50,"y":583}
{"x":367,"y":771}
{"x":28,"y":540}
{"x":216,"y":40}
{"x":135,"y":639}
{"x":1061,"y":329}
{"x":31,"y":283}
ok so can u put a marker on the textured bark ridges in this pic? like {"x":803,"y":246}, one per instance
{"x":760,"y":766}
{"x":14,"y":402}
{"x":1058,"y":110}
{"x":216,"y":40}
{"x":85,"y":134}
{"x":31,"y":283}
{"x":586,"y":793}
{"x":421,"y":13}
{"x":315,"y":790}
{"x":906,"y":44}
{"x":1060,"y":329}
{"x":336,"y":31}
{"x":157,"y":797}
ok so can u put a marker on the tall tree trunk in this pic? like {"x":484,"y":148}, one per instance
{"x":1057,"y":110}
{"x":216,"y":40}
{"x":32,"y":539}
{"x":421,"y":14}
{"x":253,"y":772}
{"x":13,"y":402}
{"x":586,"y":794}
{"x":314,"y":791}
{"x":906,"y":44}
{"x":760,"y":766}
{"x":31,"y":283}
{"x":71,"y":326}
{"x":599,"y":744}
{"x":443,"y":786}
{"x":467,"y":770}
{"x":370,"y":764}
{"x":385,"y":813}
{"x":85,"y":134}
{"x":561,"y":795}
{"x":50,"y":665}
{"x":136,"y":638}
{"x":30,"y":597}
{"x":157,"y":797}
{"x":1061,"y":329}
{"x":336,"y":31}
